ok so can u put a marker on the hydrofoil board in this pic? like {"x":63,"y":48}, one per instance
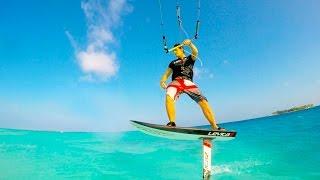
{"x":183,"y":133}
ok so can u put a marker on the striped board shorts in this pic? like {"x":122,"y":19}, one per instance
{"x":180,"y":85}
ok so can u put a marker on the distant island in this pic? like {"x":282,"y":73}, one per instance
{"x":296,"y":108}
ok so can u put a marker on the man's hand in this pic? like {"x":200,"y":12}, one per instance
{"x":186,"y":42}
{"x":163,"y":84}
{"x":165,"y":77}
{"x":194,"y":50}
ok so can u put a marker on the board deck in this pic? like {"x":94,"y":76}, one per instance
{"x":183,"y":133}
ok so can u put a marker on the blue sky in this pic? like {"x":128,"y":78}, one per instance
{"x":94,"y":65}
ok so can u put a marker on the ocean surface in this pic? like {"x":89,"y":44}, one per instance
{"x":277,"y":147}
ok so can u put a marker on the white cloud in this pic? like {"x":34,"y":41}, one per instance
{"x":226,"y":62}
{"x":98,"y":61}
{"x":87,"y":78}
{"x":100,"y":64}
{"x":201,"y":73}
{"x":286,"y":84}
{"x":35,"y":116}
{"x":72,"y":40}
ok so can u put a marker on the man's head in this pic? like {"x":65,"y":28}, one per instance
{"x":178,"y":51}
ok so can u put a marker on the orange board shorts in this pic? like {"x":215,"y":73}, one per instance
{"x":180,"y":85}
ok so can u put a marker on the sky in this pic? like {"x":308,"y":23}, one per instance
{"x":94,"y":65}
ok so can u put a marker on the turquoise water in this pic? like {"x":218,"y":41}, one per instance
{"x":277,"y":147}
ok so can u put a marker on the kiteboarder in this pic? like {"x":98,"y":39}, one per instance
{"x":181,"y":71}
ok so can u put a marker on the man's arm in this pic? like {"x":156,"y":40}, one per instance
{"x":164,"y":78}
{"x":194,"y":50}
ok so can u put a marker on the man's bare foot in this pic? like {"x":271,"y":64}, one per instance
{"x":171,"y":124}
{"x":219,"y":129}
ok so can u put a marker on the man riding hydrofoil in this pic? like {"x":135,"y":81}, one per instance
{"x":182,"y":75}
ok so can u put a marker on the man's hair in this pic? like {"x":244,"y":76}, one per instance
{"x":177,"y":44}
